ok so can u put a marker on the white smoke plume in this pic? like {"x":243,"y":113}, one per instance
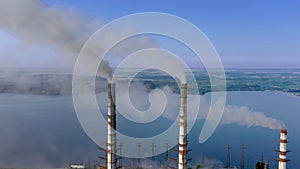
{"x":244,"y":116}
{"x":208,"y":162}
{"x":240,"y":115}
{"x":146,"y":105}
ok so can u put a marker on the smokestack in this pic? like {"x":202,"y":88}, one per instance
{"x":182,"y":161}
{"x":111,"y":128}
{"x":282,"y":150}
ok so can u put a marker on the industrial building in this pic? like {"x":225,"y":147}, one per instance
{"x":282,"y":150}
{"x":112,"y":159}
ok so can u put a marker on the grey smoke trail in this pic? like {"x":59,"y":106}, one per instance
{"x":150,"y":57}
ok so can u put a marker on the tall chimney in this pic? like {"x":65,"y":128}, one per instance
{"x":282,"y":150}
{"x":111,"y":128}
{"x":182,"y":152}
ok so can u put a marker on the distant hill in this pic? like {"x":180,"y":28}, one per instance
{"x":237,"y":80}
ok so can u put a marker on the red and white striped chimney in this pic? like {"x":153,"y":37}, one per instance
{"x":282,"y":150}
{"x":111,"y":128}
{"x":182,"y":161}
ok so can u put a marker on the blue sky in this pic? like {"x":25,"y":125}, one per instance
{"x":247,"y":34}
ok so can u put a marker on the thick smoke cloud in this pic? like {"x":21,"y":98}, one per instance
{"x":35,"y":24}
{"x":60,"y":30}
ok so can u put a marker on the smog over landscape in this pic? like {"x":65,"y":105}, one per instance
{"x":150,"y":84}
